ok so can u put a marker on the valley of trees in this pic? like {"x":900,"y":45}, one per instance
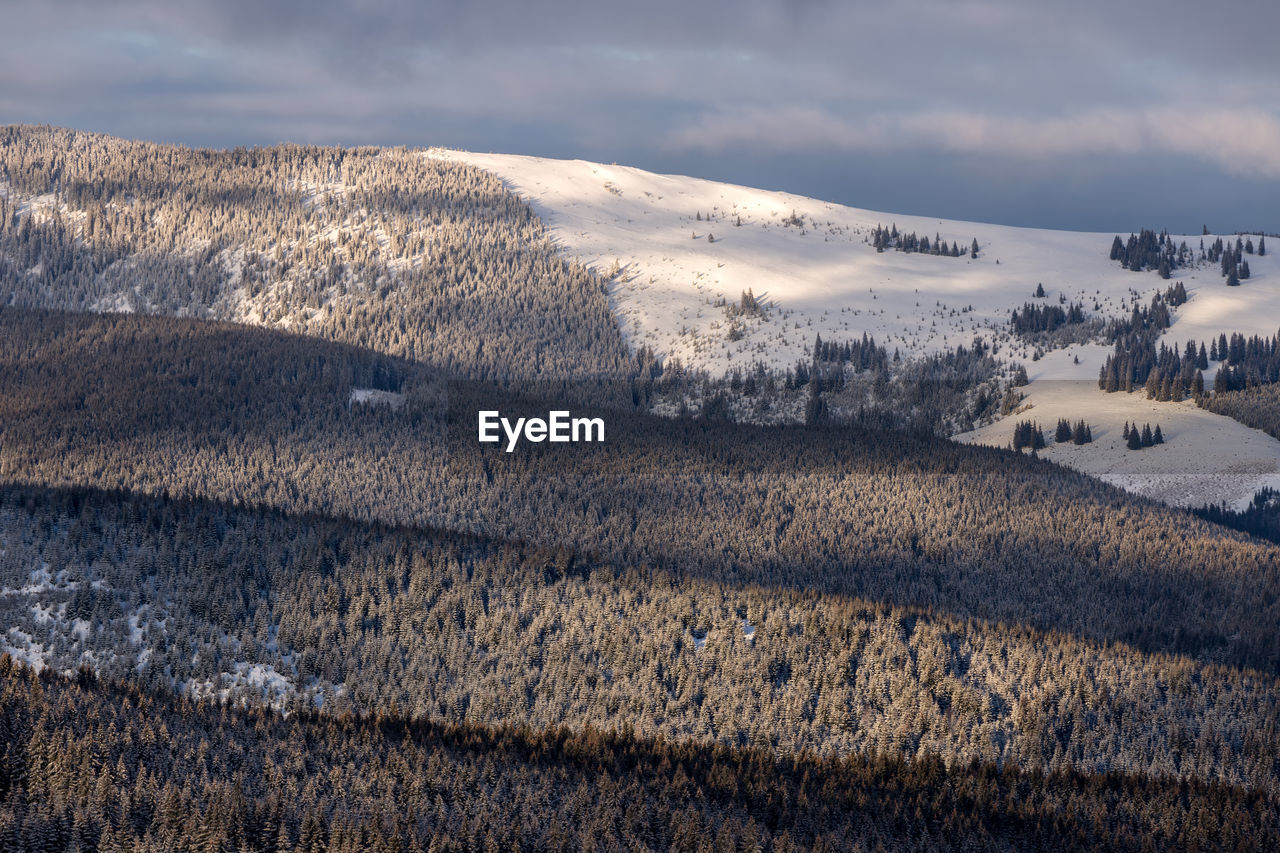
{"x":364,"y":618}
{"x":275,"y":610}
{"x":236,"y":413}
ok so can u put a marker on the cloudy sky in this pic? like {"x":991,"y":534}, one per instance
{"x":1098,"y":114}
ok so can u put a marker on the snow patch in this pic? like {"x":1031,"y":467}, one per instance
{"x":1206,"y":458}
{"x":375,"y":397}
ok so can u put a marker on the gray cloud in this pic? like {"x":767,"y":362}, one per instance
{"x":1240,"y":141}
{"x":647,"y":81}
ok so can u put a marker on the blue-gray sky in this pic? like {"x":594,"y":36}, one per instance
{"x":1095,"y":114}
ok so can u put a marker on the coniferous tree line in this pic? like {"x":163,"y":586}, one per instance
{"x":1136,"y":439}
{"x":1166,"y":373}
{"x":825,"y":370}
{"x":590,"y":577}
{"x":1247,"y":362}
{"x":939,"y":394}
{"x":1257,"y":406}
{"x":1135,"y":354}
{"x":1151,"y":251}
{"x":1028,"y":434}
{"x":854,"y":382}
{"x":863,"y":354}
{"x":1047,"y":318}
{"x":1175,"y":294}
{"x":1148,"y":250}
{"x":1244,"y":363}
{"x":389,"y":249}
{"x":1234,"y":266}
{"x":1079,"y":433}
{"x":1260,"y":518}
{"x":104,"y":766}
{"x":891,"y":238}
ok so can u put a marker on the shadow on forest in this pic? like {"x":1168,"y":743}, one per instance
{"x":263,"y":418}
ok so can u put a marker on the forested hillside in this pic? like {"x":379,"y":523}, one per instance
{"x":1257,"y":407}
{"x":426,"y":259}
{"x":280,"y":598}
{"x":232,"y":413}
{"x":110,"y":768}
{"x":306,"y":612}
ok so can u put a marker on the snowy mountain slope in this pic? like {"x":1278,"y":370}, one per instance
{"x":683,"y":258}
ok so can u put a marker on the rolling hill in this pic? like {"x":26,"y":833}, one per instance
{"x":680,"y":252}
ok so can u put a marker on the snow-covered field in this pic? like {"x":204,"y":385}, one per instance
{"x":1206,"y":458}
{"x":683,"y":257}
{"x":686,"y":249}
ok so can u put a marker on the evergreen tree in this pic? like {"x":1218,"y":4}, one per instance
{"x":1262,"y":246}
{"x":1134,"y":440}
{"x":1080,"y":433}
{"x":1040,"y":291}
{"x":1147,"y":439}
{"x":815,"y":408}
{"x":1063,"y":432}
{"x":1157,"y":437}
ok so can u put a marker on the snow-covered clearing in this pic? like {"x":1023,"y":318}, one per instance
{"x":375,"y":397}
{"x":1206,"y":458}
{"x":812,"y":264}
{"x":686,"y":249}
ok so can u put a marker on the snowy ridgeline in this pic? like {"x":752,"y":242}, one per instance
{"x":681,"y":252}
{"x":685,"y":250}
